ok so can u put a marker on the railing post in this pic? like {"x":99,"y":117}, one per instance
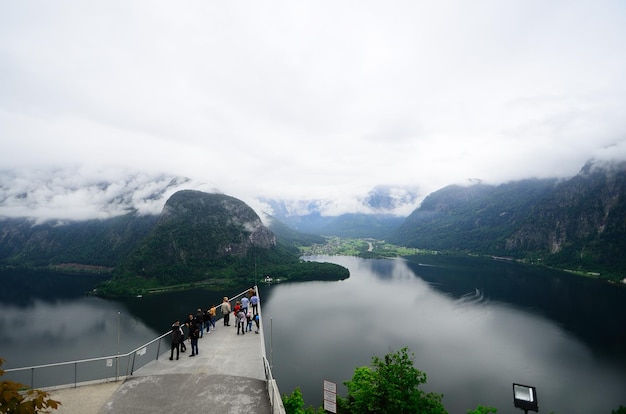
{"x":158,"y":350}
{"x":32,"y":377}
{"x":132,"y":368}
{"x":75,"y":374}
{"x":127,"y":364}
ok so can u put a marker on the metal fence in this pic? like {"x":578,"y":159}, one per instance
{"x":119,"y":367}
{"x":87,"y":371}
{"x":273,"y":393}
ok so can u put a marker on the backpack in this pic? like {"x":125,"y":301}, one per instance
{"x":176,"y":335}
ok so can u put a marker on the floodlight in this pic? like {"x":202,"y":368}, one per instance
{"x":525,"y":397}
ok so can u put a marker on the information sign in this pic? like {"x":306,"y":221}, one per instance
{"x":330,"y":396}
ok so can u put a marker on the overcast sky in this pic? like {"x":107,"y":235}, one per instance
{"x":310,"y":99}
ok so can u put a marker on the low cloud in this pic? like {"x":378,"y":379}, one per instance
{"x":77,"y":194}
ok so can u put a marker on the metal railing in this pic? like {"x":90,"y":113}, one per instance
{"x":87,"y":371}
{"x":276,"y":400}
{"x":110,"y":368}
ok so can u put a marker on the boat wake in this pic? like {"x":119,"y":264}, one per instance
{"x":472,"y":298}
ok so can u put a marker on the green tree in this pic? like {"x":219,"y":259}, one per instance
{"x":16,"y":398}
{"x":620,"y":410}
{"x":391,"y":385}
{"x":294,"y":404}
{"x":483,"y":410}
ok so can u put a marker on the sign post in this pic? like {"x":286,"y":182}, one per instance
{"x":330,"y":396}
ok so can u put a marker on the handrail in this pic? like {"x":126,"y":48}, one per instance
{"x":276,"y":401}
{"x":117,"y":355}
{"x":80,"y":361}
{"x":272,"y":387}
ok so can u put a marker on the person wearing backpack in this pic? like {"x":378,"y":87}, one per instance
{"x":241,"y":322}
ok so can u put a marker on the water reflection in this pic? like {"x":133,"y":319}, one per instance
{"x":23,"y":287}
{"x":46,"y":317}
{"x":588,"y":308}
{"x":472,"y":343}
{"x":474,"y":326}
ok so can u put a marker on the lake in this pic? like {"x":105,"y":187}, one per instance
{"x":475,"y":327}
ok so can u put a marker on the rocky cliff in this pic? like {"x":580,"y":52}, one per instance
{"x":579,"y":223}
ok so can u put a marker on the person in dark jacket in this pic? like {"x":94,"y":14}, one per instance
{"x":200,"y":321}
{"x":207,"y":320}
{"x":177,"y":338}
{"x":194,"y":334}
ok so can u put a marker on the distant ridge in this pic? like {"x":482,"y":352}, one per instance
{"x":577,"y":224}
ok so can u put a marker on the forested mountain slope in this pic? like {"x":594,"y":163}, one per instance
{"x":211,"y":238}
{"x":198,"y":237}
{"x":104,"y":243}
{"x":577,"y":224}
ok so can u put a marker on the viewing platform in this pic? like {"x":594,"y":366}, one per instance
{"x":230,"y":374}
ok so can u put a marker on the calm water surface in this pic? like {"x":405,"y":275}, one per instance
{"x":475,"y":327}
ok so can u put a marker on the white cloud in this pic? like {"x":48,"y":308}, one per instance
{"x":311,"y":100}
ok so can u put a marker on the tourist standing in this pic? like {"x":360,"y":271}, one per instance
{"x":249,"y":321}
{"x":184,"y":329}
{"x":241,"y":322}
{"x":254,"y":302}
{"x":207,"y":320}
{"x":194,"y":333}
{"x":244,"y":304}
{"x":226,"y":311}
{"x":213,"y":315}
{"x":200,"y":321}
{"x":177,"y":336}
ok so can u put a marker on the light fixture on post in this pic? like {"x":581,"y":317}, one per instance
{"x":525,"y":397}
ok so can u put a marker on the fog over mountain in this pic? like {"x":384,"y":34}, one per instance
{"x":80,"y":194}
{"x":77,"y":194}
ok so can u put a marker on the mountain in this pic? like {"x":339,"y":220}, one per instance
{"x":197,"y":232}
{"x":198,"y":237}
{"x":213,"y":239}
{"x":582,"y":222}
{"x":92,"y":243}
{"x":577,"y":223}
{"x":476,"y":218}
{"x":348,"y":225}
{"x":359,"y":225}
{"x":290,"y":236}
{"x":376,"y":214}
